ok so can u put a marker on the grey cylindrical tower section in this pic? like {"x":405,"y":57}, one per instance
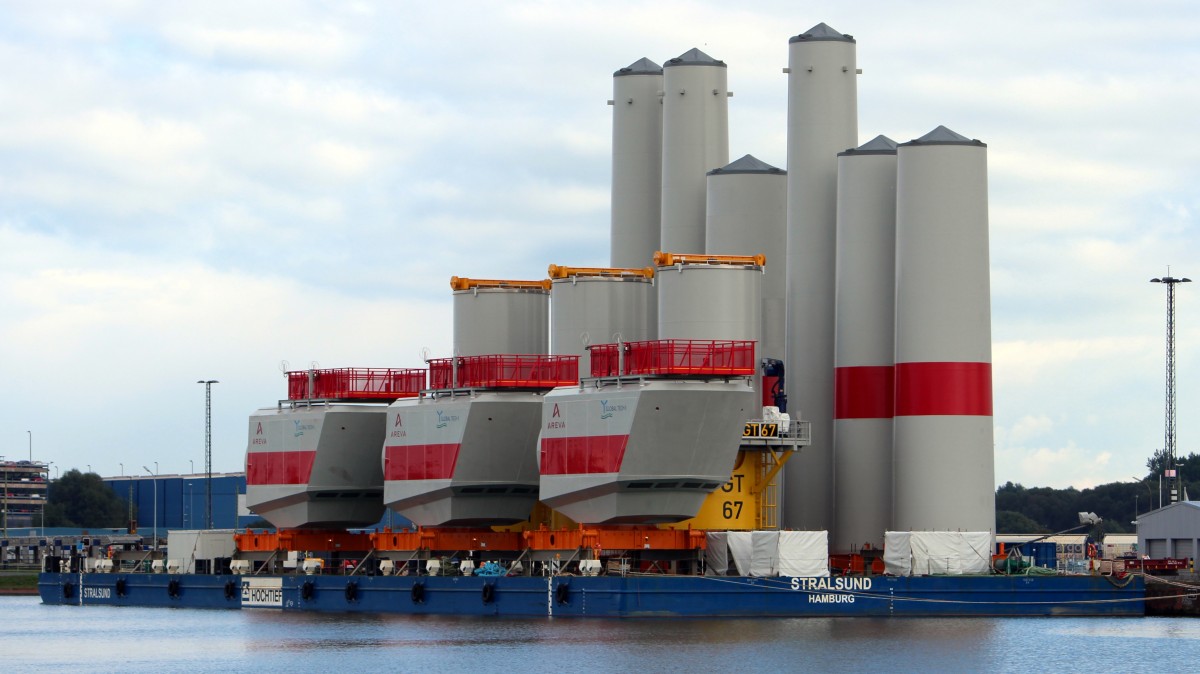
{"x":864,"y":345}
{"x":695,"y":141}
{"x":709,"y":301}
{"x":599,"y":307}
{"x":500,"y":318}
{"x":943,"y":450}
{"x":822,"y":121}
{"x":636,"y":164}
{"x":747,"y":215}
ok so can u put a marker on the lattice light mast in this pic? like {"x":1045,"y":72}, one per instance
{"x":1170,"y":470}
{"x":208,"y":450}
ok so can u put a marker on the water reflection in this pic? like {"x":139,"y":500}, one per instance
{"x":97,"y":638}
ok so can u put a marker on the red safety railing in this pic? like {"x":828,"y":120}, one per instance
{"x":504,"y":371}
{"x":606,"y":361}
{"x":351,"y":383}
{"x":675,"y":357}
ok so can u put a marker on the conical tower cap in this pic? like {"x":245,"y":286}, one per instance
{"x":880,"y":144}
{"x":943,"y":136}
{"x":642,"y":66}
{"x":694,"y":57}
{"x":747,"y":164}
{"x":822,"y":33}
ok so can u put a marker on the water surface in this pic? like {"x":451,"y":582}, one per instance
{"x":98,"y":638}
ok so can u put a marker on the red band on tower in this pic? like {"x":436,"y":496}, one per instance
{"x":863,"y":392}
{"x":946,"y":389}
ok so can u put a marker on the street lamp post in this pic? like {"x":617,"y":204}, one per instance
{"x":46,"y":496}
{"x":155,"y":486}
{"x":1149,"y":497}
{"x":30,"y":446}
{"x":207,"y":450}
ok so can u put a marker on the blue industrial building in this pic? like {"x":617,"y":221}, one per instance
{"x":180,"y":502}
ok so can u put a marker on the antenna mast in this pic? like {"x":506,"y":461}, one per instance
{"x":1170,"y":470}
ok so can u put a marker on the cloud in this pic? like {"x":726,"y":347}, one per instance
{"x":128,"y":336}
{"x":223,"y":185}
{"x":1058,"y":467}
{"x":1028,"y":427}
{"x":312,"y":46}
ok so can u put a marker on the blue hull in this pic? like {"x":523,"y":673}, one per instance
{"x":613,"y":597}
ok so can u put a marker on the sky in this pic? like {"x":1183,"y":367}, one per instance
{"x":223,"y":190}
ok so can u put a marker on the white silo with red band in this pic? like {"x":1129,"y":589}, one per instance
{"x":864,"y":348}
{"x":943,"y":446}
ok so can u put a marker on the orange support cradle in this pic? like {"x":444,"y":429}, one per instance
{"x":301,"y":540}
{"x":615,"y":538}
{"x":446,"y":539}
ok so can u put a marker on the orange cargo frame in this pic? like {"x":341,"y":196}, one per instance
{"x":615,"y":538}
{"x":541,"y":539}
{"x":301,"y":540}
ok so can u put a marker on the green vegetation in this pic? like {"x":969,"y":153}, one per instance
{"x":1041,"y":510}
{"x":82,"y":500}
{"x":18,"y":581}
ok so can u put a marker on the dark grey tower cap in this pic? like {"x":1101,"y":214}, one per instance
{"x":642,"y":66}
{"x":943,"y":136}
{"x":747,"y":164}
{"x":880,"y":144}
{"x":694,"y":57}
{"x":822,"y":33}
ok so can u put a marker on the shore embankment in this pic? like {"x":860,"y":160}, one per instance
{"x":1177,"y":595}
{"x":14,"y":582}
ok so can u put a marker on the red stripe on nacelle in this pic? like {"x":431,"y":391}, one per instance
{"x":863,"y":392}
{"x":267,"y":468}
{"x":583,"y":455}
{"x":947,"y":389}
{"x":420,"y":462}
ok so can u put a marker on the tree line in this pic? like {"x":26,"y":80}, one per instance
{"x":83,"y":500}
{"x":1043,"y":510}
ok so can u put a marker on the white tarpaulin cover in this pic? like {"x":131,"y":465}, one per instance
{"x":804,"y":553}
{"x":716,"y":553}
{"x":897,"y":553}
{"x":764,"y":562}
{"x":741,"y":548}
{"x":951,"y":552}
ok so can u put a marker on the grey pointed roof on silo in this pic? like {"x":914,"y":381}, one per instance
{"x":747,"y":164}
{"x":943,"y":136}
{"x":880,"y":144}
{"x":822,"y":32}
{"x":694,"y":57}
{"x":642,"y":66}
